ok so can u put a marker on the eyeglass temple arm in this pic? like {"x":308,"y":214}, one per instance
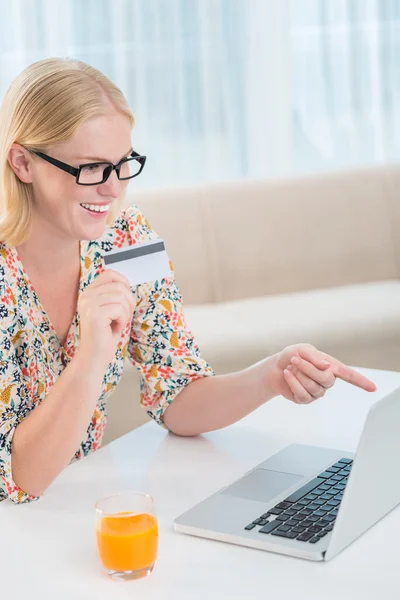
{"x":57,"y":163}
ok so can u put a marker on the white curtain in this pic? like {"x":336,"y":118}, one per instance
{"x":345,"y":66}
{"x":227,"y":89}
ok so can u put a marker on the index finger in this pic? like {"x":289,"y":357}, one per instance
{"x":351,"y":376}
{"x":339,"y":369}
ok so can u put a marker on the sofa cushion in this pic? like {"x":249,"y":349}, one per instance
{"x":306,"y":233}
{"x":358,"y":324}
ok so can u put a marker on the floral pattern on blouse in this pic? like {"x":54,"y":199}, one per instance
{"x":158,"y":342}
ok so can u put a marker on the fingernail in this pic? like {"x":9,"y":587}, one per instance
{"x":296,"y":360}
{"x":325,"y":363}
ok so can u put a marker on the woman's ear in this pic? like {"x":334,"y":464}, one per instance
{"x":20,"y":161}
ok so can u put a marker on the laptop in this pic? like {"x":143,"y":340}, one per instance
{"x":307,"y":501}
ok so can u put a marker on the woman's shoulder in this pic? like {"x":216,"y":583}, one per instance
{"x":8,"y":293}
{"x":6,"y":263}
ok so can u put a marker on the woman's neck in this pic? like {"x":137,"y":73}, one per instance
{"x":49,"y":254}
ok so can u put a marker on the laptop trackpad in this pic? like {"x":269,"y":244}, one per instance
{"x":262,"y":485}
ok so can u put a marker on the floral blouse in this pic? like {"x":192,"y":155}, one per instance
{"x":157,"y":341}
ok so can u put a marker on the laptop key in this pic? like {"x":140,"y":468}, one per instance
{"x":282,"y":518}
{"x":322,"y":533}
{"x":329,"y":528}
{"x":292,"y":523}
{"x":279,"y":533}
{"x":312,"y":507}
{"x":315,"y":539}
{"x":298,"y":529}
{"x":333,"y":503}
{"x":346,"y":461}
{"x":311,"y":497}
{"x":275,"y":511}
{"x":324,"y":509}
{"x":265,"y":515}
{"x":303,"y":502}
{"x":327,"y":496}
{"x":306,"y":512}
{"x":264,"y":522}
{"x":333,"y":469}
{"x":304,"y":537}
{"x":270,"y":527}
{"x":323,"y":522}
{"x":284,"y":505}
{"x":319,"y":502}
{"x":315,"y":529}
{"x":257,"y":521}
{"x":298,"y":517}
{"x":284,"y":534}
{"x":303,"y":491}
{"x":290,"y":512}
{"x":329,"y":518}
{"x":337,"y":478}
{"x":307,"y":523}
{"x":283,"y":528}
{"x":250,"y":527}
{"x":319,"y":513}
{"x":330,"y":483}
{"x":325,"y":475}
{"x":313,"y":519}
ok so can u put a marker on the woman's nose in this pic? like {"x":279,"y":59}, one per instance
{"x":112,"y":187}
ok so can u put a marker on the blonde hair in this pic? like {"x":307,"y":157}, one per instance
{"x":45,"y":105}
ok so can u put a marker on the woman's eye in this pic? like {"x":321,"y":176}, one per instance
{"x":92,"y":168}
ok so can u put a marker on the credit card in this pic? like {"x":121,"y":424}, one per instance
{"x":141,"y":263}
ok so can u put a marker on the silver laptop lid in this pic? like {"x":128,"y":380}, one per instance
{"x":373,"y":488}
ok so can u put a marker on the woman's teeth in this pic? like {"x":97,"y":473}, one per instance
{"x":96,"y":207}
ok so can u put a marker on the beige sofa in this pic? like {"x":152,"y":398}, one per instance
{"x":265,"y":264}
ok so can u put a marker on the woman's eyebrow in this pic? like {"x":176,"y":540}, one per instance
{"x":97,"y":159}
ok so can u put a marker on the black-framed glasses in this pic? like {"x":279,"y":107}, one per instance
{"x":97,"y":173}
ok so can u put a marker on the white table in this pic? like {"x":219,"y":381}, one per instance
{"x":48,"y":547}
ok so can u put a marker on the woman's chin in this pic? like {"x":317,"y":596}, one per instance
{"x":93,"y":232}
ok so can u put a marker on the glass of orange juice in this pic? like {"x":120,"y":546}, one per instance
{"x":127,"y":535}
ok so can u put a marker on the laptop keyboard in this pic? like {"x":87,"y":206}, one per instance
{"x":309,"y":513}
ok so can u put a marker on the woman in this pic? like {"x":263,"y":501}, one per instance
{"x":67,"y":323}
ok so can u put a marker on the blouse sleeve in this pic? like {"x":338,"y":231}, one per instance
{"x":160,"y":344}
{"x":14,"y":395}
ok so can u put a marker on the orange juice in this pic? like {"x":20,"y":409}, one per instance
{"x":127,"y":542}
